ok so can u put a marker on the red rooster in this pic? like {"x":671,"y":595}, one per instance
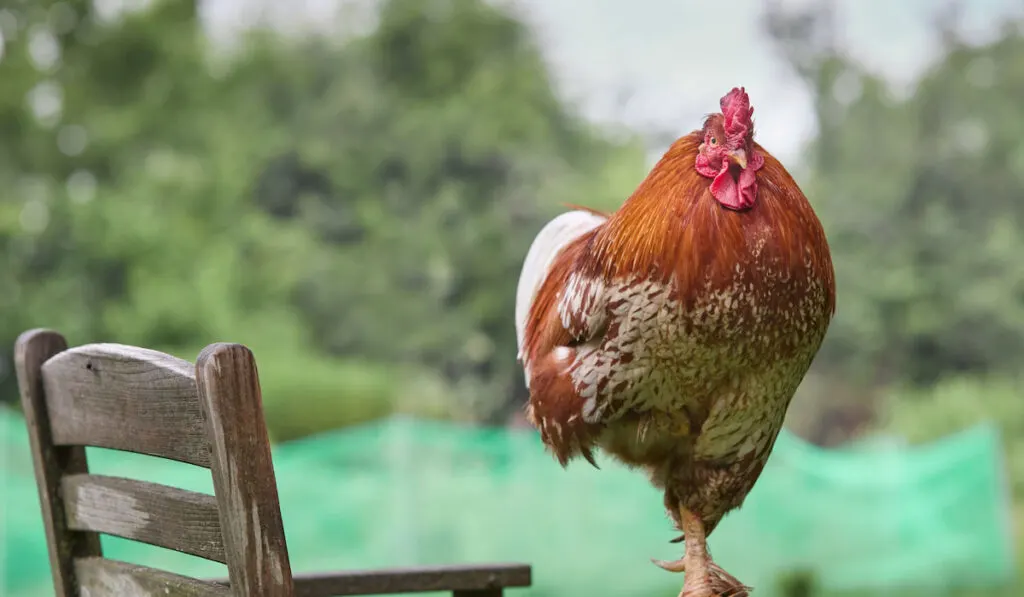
{"x":673,"y":333}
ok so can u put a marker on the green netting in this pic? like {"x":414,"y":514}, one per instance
{"x":405,"y":493}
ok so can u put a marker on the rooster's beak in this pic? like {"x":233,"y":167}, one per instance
{"x":739,"y":157}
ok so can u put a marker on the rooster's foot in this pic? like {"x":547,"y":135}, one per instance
{"x":719,"y":583}
{"x":704,"y":578}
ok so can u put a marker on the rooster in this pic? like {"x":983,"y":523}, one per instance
{"x":673,"y":332}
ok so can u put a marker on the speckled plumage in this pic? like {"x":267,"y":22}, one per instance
{"x":696,"y":395}
{"x":673,"y":333}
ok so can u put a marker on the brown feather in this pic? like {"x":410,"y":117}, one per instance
{"x":555,"y":405}
{"x":672,"y":225}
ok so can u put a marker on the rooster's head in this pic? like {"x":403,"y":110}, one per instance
{"x":727,"y":154}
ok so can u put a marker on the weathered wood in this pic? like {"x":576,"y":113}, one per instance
{"x":32,"y":350}
{"x":102,"y":577}
{"x":243,"y":472}
{"x":126,"y":398}
{"x":174,"y":518}
{"x":464,"y":580}
{"x":139,"y":400}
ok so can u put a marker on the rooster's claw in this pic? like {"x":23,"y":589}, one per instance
{"x":674,"y":566}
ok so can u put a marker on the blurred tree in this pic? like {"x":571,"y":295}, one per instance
{"x":131,"y":166}
{"x":368,"y":197}
{"x":919,"y":195}
{"x":919,"y":198}
{"x":441,"y":151}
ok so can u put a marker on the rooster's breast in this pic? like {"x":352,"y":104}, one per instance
{"x":707,"y":375}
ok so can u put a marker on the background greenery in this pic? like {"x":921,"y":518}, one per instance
{"x":356,"y":209}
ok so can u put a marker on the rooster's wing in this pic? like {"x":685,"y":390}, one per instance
{"x":546,"y":247}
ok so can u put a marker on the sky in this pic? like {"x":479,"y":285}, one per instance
{"x":672,"y":59}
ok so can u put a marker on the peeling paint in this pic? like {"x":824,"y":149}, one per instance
{"x":96,"y":499}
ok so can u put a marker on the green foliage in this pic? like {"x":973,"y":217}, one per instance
{"x":333,"y":394}
{"x":919,"y":197}
{"x":471,"y":146}
{"x":355,"y":210}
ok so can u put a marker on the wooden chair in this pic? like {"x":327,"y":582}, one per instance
{"x":209,"y":414}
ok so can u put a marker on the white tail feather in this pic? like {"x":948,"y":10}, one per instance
{"x":555,"y":235}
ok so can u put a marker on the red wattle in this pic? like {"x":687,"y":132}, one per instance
{"x":726,"y":190}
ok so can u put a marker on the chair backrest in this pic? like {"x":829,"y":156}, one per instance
{"x":209,"y":414}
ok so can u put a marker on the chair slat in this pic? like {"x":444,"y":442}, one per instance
{"x":100,"y":576}
{"x":169,"y":517}
{"x":126,"y":398}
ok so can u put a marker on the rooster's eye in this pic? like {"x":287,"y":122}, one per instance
{"x":714,"y":141}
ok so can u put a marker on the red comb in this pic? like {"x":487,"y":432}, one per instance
{"x":737,"y":111}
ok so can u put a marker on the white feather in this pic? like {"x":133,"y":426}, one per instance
{"x":555,"y":235}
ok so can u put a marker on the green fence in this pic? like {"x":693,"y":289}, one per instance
{"x":408,"y":492}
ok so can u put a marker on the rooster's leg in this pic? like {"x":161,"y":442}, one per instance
{"x":704,"y":578}
{"x":695,"y":558}
{"x":695,"y":561}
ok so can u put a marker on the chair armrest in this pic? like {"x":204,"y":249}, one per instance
{"x":388,"y":581}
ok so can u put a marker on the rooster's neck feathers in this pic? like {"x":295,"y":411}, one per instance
{"x":672,"y":226}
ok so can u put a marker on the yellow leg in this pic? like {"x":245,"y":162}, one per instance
{"x":704,"y":578}
{"x":695,"y":561}
{"x":695,"y":558}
